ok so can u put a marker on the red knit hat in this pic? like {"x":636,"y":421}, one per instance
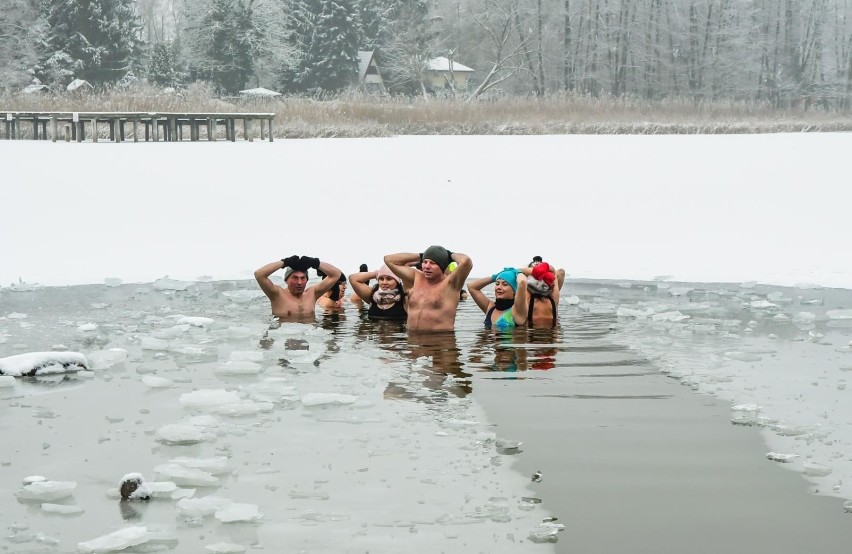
{"x":542,"y":272}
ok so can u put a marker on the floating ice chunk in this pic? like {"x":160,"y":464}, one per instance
{"x":115,"y":541}
{"x":200,"y":507}
{"x":151,"y":343}
{"x":225,"y":548}
{"x":63,"y":509}
{"x":6,"y":381}
{"x":112,"y":281}
{"x":215,"y":466}
{"x":745,"y":414}
{"x":239,"y":368}
{"x":242,"y":409}
{"x":164,"y":283}
{"x":104,"y":359}
{"x":195,"y":321}
{"x":814,"y":469}
{"x":46,"y":490}
{"x":208,"y":398}
{"x":34,"y":479}
{"x":742,"y":356}
{"x":242,"y":296}
{"x":762,"y":304}
{"x":323,"y":398}
{"x":783,"y":458}
{"x":839,"y":314}
{"x":239,"y":332}
{"x":624,"y":311}
{"x":804,"y":317}
{"x":508,"y":446}
{"x":304,"y":356}
{"x":680,"y":291}
{"x":187,"y":476}
{"x":154,"y":382}
{"x":673,"y":316}
{"x":570,"y":300}
{"x":246,"y":356}
{"x":171,"y":332}
{"x":546,"y":532}
{"x":87,"y":327}
{"x":183,"y":433}
{"x":16,"y":315}
{"x":238,"y":513}
{"x":41,"y":363}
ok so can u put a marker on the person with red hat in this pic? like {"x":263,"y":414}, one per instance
{"x":544,"y":283}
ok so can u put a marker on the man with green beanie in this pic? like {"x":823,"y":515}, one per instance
{"x":433,"y":295}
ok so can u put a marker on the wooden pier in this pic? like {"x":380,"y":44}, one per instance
{"x":128,"y":126}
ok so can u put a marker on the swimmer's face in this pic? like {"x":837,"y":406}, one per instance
{"x":502,"y":290}
{"x":386,"y":282}
{"x":430,"y":269}
{"x":297,"y":282}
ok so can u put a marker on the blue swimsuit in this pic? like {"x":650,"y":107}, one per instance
{"x":505,"y":321}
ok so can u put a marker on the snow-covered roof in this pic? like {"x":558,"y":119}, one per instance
{"x":364,"y":59}
{"x":77,"y":84}
{"x":29,"y":89}
{"x":260,"y":91}
{"x":443,"y":64}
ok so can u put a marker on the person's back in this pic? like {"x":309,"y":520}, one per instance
{"x":544,"y":288}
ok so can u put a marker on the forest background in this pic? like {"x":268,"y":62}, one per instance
{"x":540,"y":65}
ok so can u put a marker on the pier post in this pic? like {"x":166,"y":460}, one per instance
{"x":270,"y":129}
{"x":54,"y":129}
{"x":95,"y":129}
{"x":35,"y":128}
{"x":135,"y":128}
{"x":68,"y":132}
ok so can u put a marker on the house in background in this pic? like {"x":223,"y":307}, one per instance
{"x":440,"y":72}
{"x":369,"y":78}
{"x":79,"y":86}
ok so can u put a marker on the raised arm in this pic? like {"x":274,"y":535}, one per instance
{"x":262,"y":275}
{"x":398,"y":264}
{"x":521,"y":307}
{"x":475,"y":289}
{"x":462,"y":271}
{"x":361,"y":284}
{"x":332,"y":276}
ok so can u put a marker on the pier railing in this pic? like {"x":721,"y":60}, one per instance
{"x":135,"y":126}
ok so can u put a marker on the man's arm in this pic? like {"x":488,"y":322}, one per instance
{"x":269,"y":288}
{"x":360,"y":284}
{"x":459,"y":276}
{"x":398,"y":264}
{"x":475,"y":289}
{"x":332,"y":275}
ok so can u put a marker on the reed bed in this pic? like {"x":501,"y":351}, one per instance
{"x":355,"y":115}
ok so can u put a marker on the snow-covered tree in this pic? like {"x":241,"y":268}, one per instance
{"x":19,"y":30}
{"x":161,"y":68}
{"x":325,"y":36}
{"x":408,"y":45}
{"x":95,"y":40}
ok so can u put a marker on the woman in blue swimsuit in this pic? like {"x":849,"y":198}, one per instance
{"x":510,"y":306}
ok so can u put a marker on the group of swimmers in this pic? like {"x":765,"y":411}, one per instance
{"x":423,"y":289}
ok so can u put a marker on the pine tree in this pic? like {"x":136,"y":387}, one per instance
{"x":325,"y":35}
{"x":161,"y":69}
{"x":96,"y":40}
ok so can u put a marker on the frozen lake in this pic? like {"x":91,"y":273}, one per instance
{"x":344,"y":436}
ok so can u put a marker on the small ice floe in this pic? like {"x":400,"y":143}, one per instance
{"x":225,"y":548}
{"x":536,"y":477}
{"x":815,"y":469}
{"x":508,"y":446}
{"x":154,"y":382}
{"x":624,"y":311}
{"x":239,"y":333}
{"x":847,"y":506}
{"x":215,"y":466}
{"x":184,"y":434}
{"x":243,"y":408}
{"x":839,"y":314}
{"x":187,"y":476}
{"x":16,"y":315}
{"x":45,"y":490}
{"x":244,"y":367}
{"x":201,"y":507}
{"x":22,"y":286}
{"x":112,"y":281}
{"x":208,"y":398}
{"x":238,"y":513}
{"x":680,"y":291}
{"x":151,"y":343}
{"x":164,"y":283}
{"x":762,"y":305}
{"x":242,"y":296}
{"x":546,"y":532}
{"x":195,"y":321}
{"x":132,"y":487}
{"x":105,"y":359}
{"x":742,"y":356}
{"x":42,"y":363}
{"x":304,"y":357}
{"x":245,"y":356}
{"x":570,"y":300}
{"x":63,"y":509}
{"x":673,"y":316}
{"x":87,"y":327}
{"x":170,"y":333}
{"x":115,"y":541}
{"x":745,"y":414}
{"x":783,"y":458}
{"x":6,"y":381}
{"x":327,"y":398}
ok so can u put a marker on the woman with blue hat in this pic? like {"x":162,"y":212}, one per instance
{"x":510,"y":306}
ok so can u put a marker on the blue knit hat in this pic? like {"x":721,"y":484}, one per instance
{"x":510,"y":275}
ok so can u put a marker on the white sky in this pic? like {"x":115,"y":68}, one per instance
{"x":766,"y":208}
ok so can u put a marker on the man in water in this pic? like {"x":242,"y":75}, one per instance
{"x":297,"y":301}
{"x":433,"y":296}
